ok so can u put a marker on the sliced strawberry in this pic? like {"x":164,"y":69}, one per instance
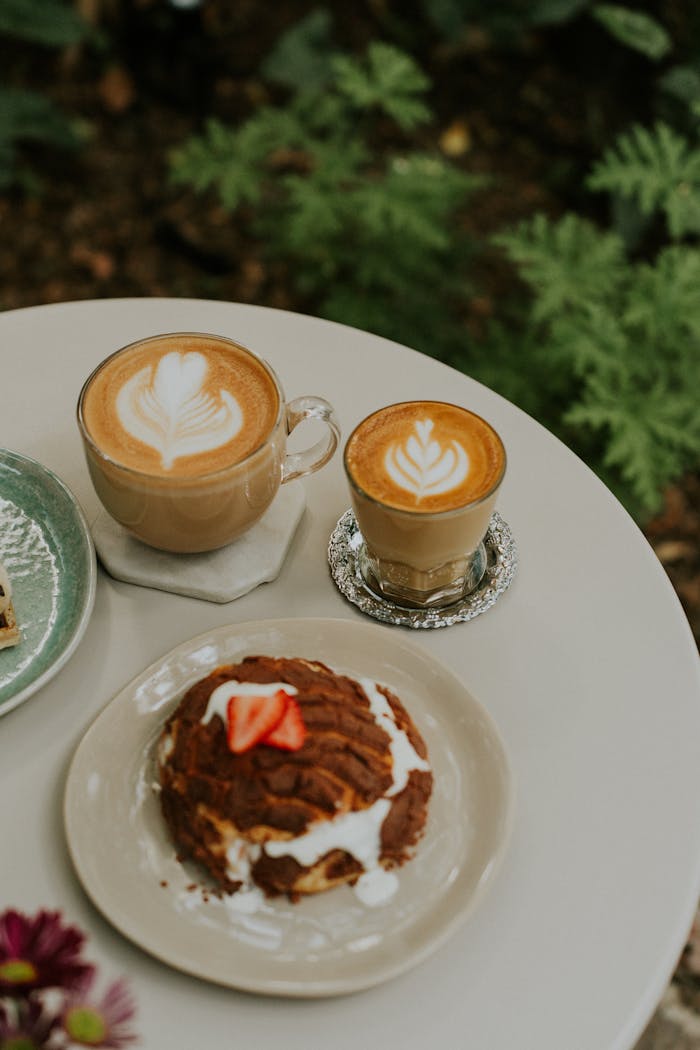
{"x":290,"y":733}
{"x":250,"y":718}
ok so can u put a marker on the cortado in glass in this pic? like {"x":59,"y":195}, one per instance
{"x":185,"y":437}
{"x":424,"y":477}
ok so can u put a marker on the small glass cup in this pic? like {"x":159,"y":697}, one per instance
{"x":430,"y":554}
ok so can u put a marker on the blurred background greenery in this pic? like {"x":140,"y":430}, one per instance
{"x":512,"y":187}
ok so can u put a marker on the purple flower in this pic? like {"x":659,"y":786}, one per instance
{"x":25,"y":1026}
{"x":39,"y":952}
{"x":103,"y":1022}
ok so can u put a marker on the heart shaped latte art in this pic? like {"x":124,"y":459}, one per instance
{"x":425,"y":467}
{"x":168,"y":408}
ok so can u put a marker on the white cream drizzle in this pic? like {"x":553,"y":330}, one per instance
{"x":404,"y":755}
{"x":218,"y":701}
{"x":357,"y":833}
{"x":240,"y":859}
{"x":376,"y":887}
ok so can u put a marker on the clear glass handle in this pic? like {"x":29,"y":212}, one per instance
{"x":296,"y":464}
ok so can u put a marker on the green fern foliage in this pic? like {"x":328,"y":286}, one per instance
{"x":621,"y":353}
{"x":233,"y":160}
{"x":604,"y":349}
{"x":617,"y":337}
{"x":301,"y":57}
{"x":368,"y":234}
{"x":387,"y":79}
{"x":658,"y":168}
{"x":568,"y":264}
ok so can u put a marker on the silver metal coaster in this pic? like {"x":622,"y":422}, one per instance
{"x":501,"y":564}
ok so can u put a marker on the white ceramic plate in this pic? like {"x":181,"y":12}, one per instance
{"x":328,"y":944}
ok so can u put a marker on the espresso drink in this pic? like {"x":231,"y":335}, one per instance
{"x":424,"y":476}
{"x":180,"y":407}
{"x":185,"y":439}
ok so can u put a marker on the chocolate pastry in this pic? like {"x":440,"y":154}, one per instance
{"x":345,"y":802}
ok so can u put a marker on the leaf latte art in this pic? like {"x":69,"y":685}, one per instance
{"x":167,"y":407}
{"x":425,"y":467}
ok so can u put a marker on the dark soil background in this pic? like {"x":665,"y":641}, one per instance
{"x":104,"y":221}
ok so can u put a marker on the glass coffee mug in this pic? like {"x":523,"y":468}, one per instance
{"x":185,"y":437}
{"x":424,"y":477}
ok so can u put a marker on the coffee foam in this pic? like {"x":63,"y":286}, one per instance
{"x":180,"y":406}
{"x":425,"y":456}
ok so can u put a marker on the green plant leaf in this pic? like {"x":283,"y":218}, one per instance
{"x":554,"y":12}
{"x":448,"y":16}
{"x":649,"y":435}
{"x":660,"y":169}
{"x":683,"y":82}
{"x":617,"y":368}
{"x":414,"y":199}
{"x":312,"y":217}
{"x":665,"y":300}
{"x":234,"y":161}
{"x":568,"y":264}
{"x":593,"y":341}
{"x":635,"y":29}
{"x":412,"y":321}
{"x":47,"y":22}
{"x":301,"y":57}
{"x":26,"y":116}
{"x":513,"y":359}
{"x":387,"y":79}
{"x":29,"y":117}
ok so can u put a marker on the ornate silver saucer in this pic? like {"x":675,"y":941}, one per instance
{"x":501,"y":564}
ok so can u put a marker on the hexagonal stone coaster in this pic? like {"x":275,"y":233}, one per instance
{"x":215,"y":576}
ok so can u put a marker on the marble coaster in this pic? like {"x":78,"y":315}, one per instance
{"x":216,"y":576}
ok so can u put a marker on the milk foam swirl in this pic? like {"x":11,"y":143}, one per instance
{"x":423,"y":466}
{"x":168,"y":408}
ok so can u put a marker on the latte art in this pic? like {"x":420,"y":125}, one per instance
{"x":166,"y":407}
{"x":185,"y":438}
{"x":424,"y":466}
{"x":425,"y":456}
{"x":180,"y":406}
{"x":424,"y":478}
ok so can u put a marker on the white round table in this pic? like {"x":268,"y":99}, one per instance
{"x":586,"y":664}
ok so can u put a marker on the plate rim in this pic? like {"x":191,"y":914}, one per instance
{"x":321,"y":987}
{"x":82,"y":621}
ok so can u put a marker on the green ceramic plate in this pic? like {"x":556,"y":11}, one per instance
{"x":47,"y":550}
